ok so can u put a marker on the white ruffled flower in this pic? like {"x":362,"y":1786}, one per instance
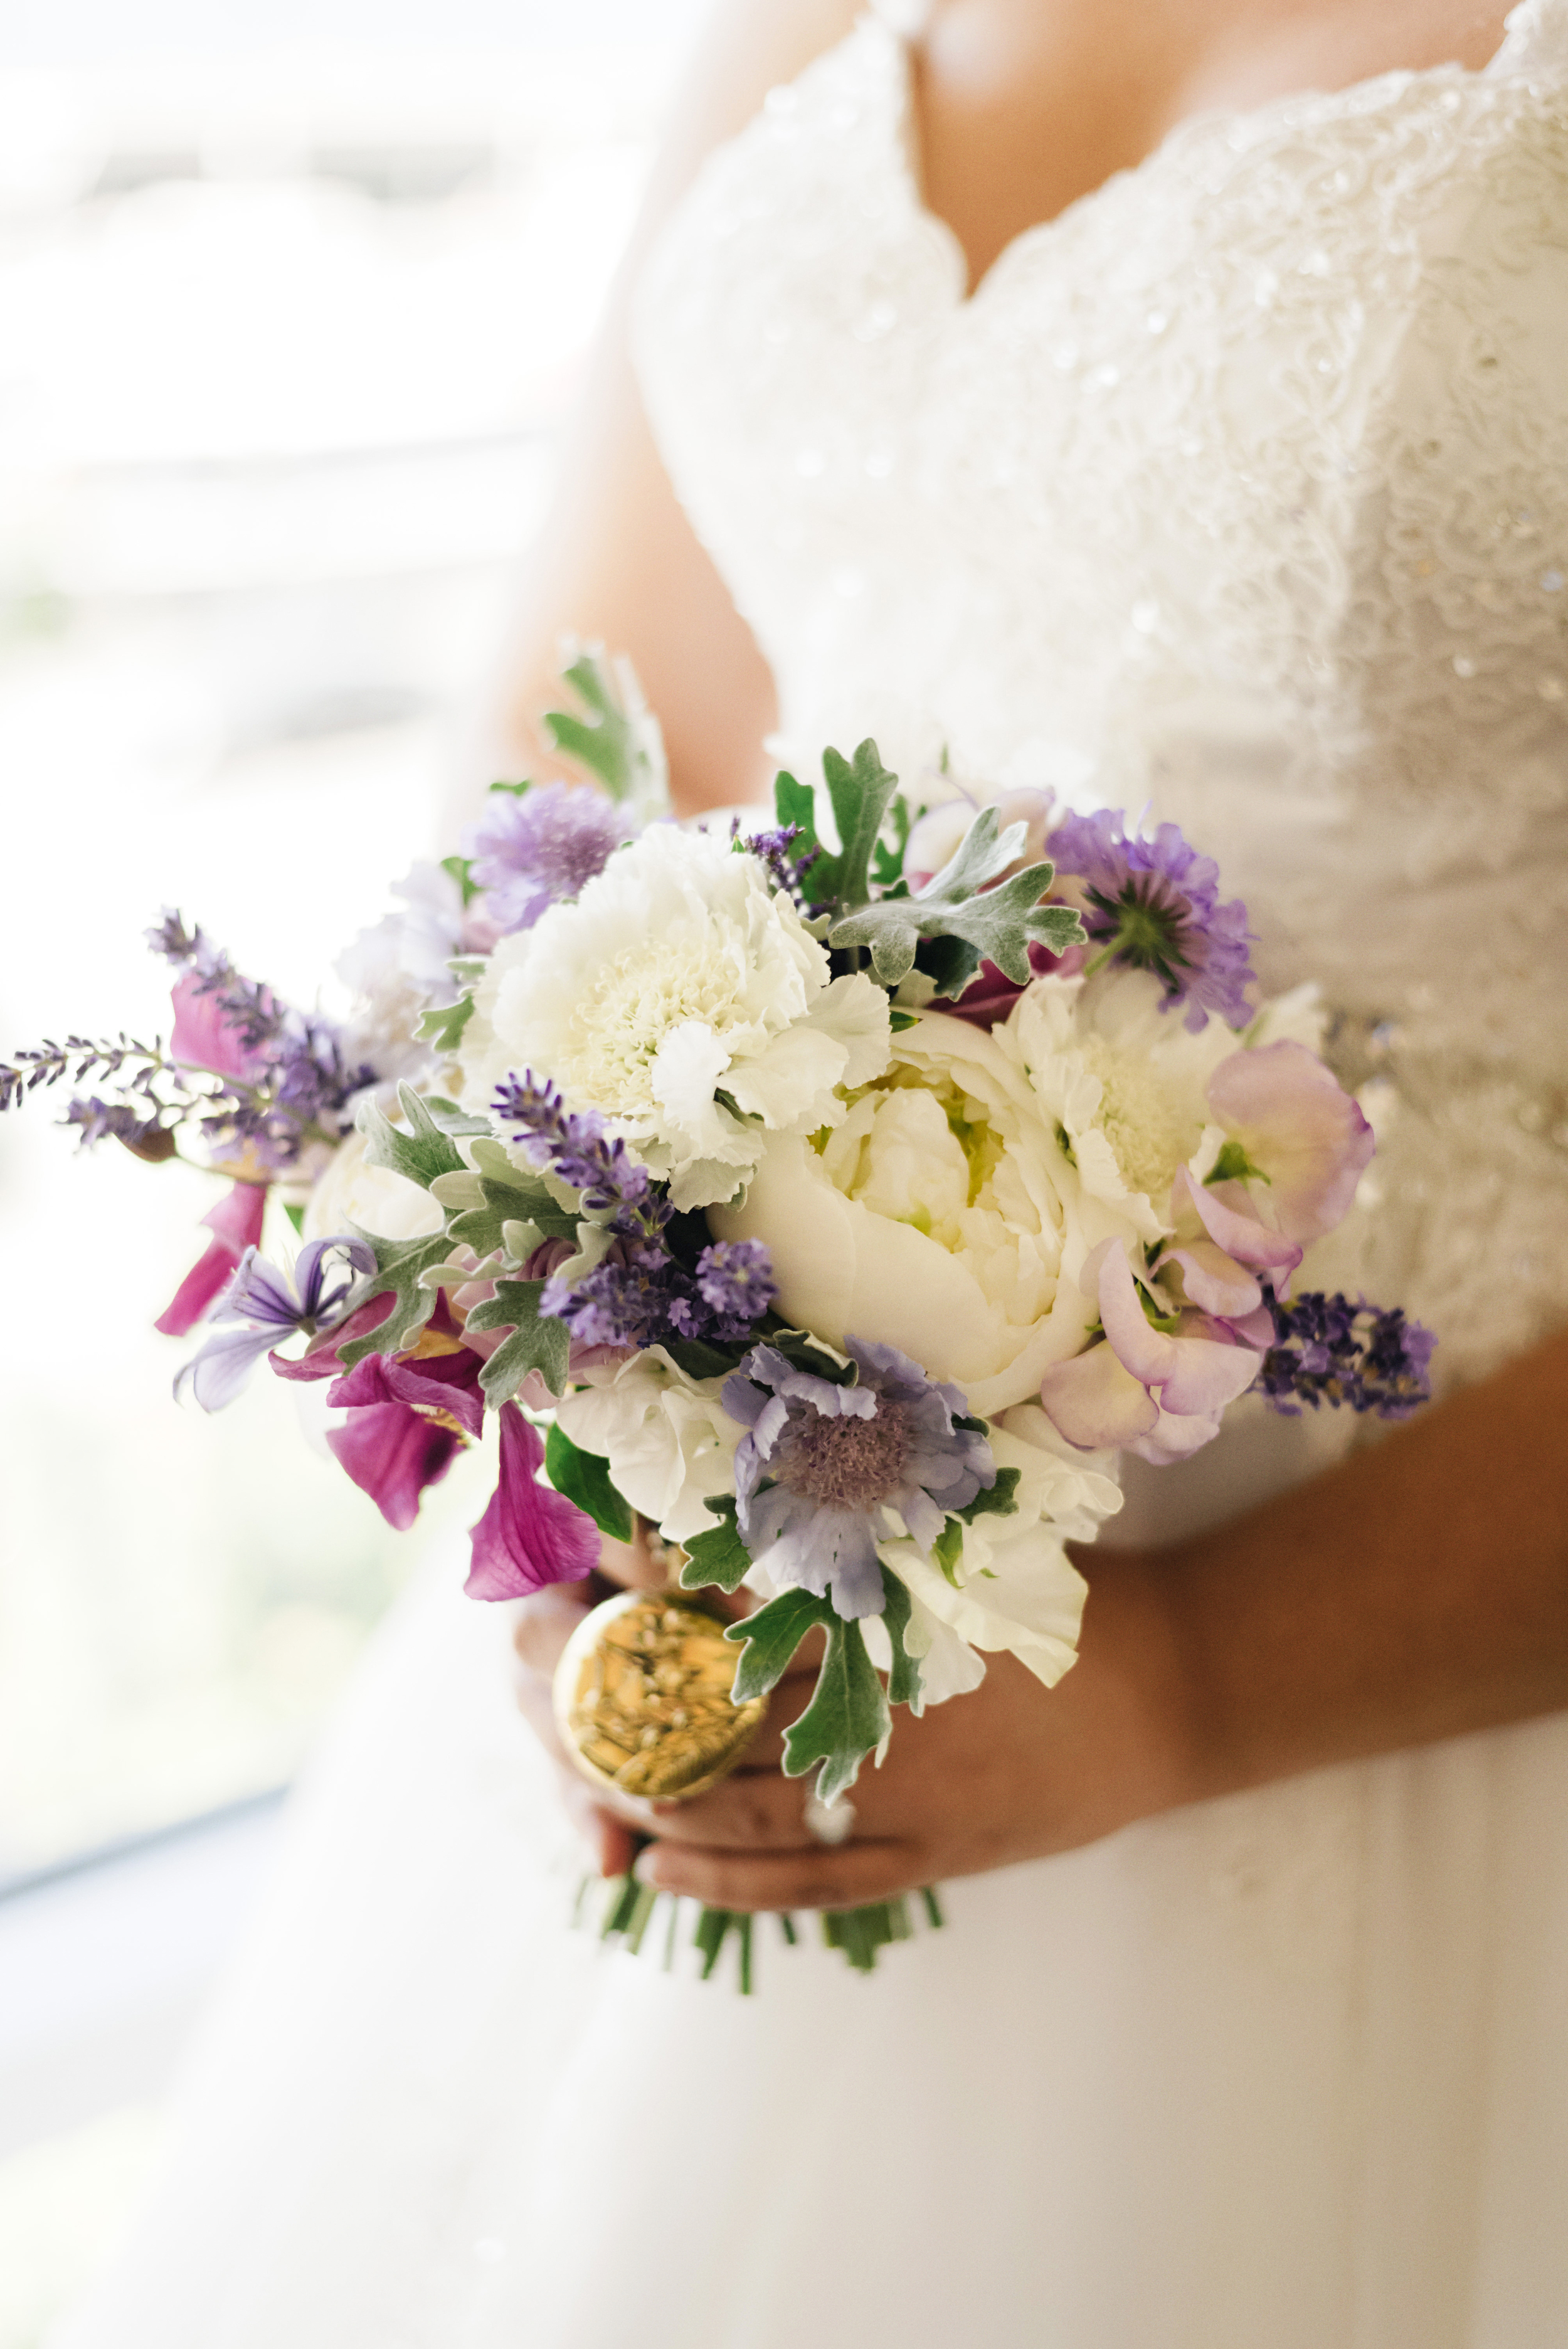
{"x":399,"y":967}
{"x":685,"y":1001}
{"x":668,"y":1439}
{"x":943,"y":1216}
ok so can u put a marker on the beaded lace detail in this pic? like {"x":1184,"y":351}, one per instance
{"x":1240,"y":488}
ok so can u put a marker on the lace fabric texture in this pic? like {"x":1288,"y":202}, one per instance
{"x":1239,"y":490}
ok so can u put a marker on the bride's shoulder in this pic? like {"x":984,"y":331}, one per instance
{"x":750,"y":47}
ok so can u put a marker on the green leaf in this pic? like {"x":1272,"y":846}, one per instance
{"x":481,"y":1229}
{"x":887,"y":859}
{"x":948,"y":1548}
{"x":460,"y":868}
{"x":796,"y":803}
{"x":770,"y":1638}
{"x":1233,"y":1166}
{"x":698,"y":1360}
{"x":418,"y":1151}
{"x":798,"y":1350}
{"x":444,"y":1025}
{"x":538,"y":1342}
{"x":899,"y":1020}
{"x":998,"y":1500}
{"x":997,"y":924}
{"x":860,"y":790}
{"x":949,"y":963}
{"x":295,"y":1216}
{"x":719,"y":1555}
{"x":903,"y":1685}
{"x":584,"y":1477}
{"x":399,"y":1265}
{"x":847,"y":1718}
{"x":609,"y":741}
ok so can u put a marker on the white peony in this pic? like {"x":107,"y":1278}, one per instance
{"x":686,"y":1000}
{"x":1125,"y":1081}
{"x":668,"y":1439}
{"x":943,"y":1216}
{"x":376,"y":1198}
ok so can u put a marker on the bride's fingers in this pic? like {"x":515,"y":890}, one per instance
{"x":815,"y":1878}
{"x":760,"y":1811}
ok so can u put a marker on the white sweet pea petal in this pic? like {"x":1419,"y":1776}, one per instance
{"x":1032,"y":1609}
{"x":668,"y":1439}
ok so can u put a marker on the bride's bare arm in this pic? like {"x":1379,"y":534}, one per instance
{"x":618,"y":559}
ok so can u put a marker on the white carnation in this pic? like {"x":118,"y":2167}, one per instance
{"x":685,"y":1001}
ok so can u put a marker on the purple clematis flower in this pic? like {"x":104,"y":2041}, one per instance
{"x":533,"y":849}
{"x":268,"y":1304}
{"x":1154,"y":905}
{"x":822,"y":1464}
{"x":528,"y":1536}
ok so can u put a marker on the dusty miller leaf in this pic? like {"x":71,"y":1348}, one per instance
{"x":847,"y":1718}
{"x":998,"y":923}
{"x":719,"y":1556}
{"x":770,"y":1638}
{"x":538,"y":1341}
{"x":418,"y":1151}
{"x":399,"y":1265}
{"x":904,"y":1686}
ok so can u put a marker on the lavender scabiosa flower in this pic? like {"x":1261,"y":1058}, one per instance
{"x":1326,"y":1349}
{"x":268,"y":1304}
{"x":822,"y":1464}
{"x":1154,"y":905}
{"x":530,"y":850}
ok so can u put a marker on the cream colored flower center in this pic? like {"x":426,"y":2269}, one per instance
{"x":1146,"y":1117}
{"x":618,"y":1027}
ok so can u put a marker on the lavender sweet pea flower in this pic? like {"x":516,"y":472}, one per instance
{"x":528,"y":1536}
{"x":1156,"y":1392}
{"x":267,"y":1304}
{"x":822,"y":1463}
{"x":529,"y":851}
{"x":1154,"y":905}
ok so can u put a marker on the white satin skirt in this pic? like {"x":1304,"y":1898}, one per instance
{"x":1285,"y":2071}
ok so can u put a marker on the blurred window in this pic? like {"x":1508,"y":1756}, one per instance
{"x":288,"y":323}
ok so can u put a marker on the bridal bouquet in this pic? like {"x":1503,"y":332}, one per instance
{"x":841,"y":1197}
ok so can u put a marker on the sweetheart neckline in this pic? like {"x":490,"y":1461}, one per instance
{"x":1289,"y":106}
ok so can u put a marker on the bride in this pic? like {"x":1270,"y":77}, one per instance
{"x":1165,"y":401}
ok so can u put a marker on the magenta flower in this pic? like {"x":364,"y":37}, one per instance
{"x":409,"y":1418}
{"x":207,"y":1036}
{"x":236,"y":1223}
{"x":1157,"y":1393}
{"x":528,"y":1536}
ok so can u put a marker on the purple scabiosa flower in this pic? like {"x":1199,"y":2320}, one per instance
{"x":1326,"y":1349}
{"x":530,"y":850}
{"x":1154,"y":905}
{"x":268,"y":1304}
{"x":822,"y":1464}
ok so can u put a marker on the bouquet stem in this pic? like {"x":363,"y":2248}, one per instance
{"x":859,"y":1933}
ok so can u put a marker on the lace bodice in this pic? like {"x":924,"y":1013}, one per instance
{"x":1241,"y":487}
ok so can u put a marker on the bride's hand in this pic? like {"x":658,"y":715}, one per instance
{"x":1011,"y":1772}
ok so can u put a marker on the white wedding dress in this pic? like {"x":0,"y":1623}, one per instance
{"x":1241,"y":489}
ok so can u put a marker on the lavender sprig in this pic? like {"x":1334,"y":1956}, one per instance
{"x":771,"y":850}
{"x":44,"y":1064}
{"x":639,"y":1293}
{"x":1327,"y":1350}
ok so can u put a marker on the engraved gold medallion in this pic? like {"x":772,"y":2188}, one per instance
{"x":642,"y":1697}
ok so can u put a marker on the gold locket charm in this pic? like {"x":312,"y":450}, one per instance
{"x":642,"y":1697}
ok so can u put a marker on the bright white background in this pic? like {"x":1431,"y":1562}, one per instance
{"x":293,"y":301}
